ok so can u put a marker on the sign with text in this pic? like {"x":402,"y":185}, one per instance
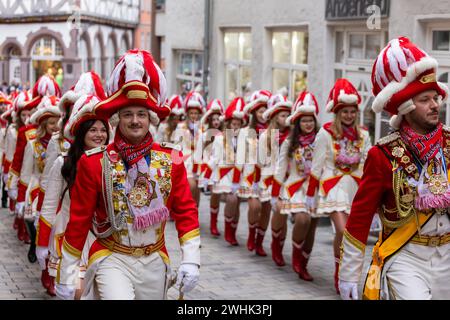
{"x":355,"y":9}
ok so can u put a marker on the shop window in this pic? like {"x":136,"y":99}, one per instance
{"x":289,"y":61}
{"x":238,"y":56}
{"x":189,"y":71}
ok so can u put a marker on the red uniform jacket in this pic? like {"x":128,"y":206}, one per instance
{"x":87,"y":201}
{"x":24,"y":134}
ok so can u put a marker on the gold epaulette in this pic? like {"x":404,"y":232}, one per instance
{"x":95,"y":150}
{"x":389,"y":138}
{"x":170,"y":146}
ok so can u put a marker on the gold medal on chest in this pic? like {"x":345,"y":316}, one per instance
{"x":139,"y":195}
{"x":437,"y":184}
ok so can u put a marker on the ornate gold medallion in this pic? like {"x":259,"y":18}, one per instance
{"x":407,"y":198}
{"x":139,"y":195}
{"x":437,"y":184}
{"x":398,"y":152}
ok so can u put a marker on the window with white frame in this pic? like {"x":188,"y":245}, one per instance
{"x":290,"y":62}
{"x":355,"y":52}
{"x":189,"y":71}
{"x":238,"y":56}
{"x":441,"y":40}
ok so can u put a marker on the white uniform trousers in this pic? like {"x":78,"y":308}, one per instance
{"x":124,"y":277}
{"x":412,"y":278}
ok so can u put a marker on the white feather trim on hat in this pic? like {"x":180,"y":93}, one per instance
{"x":347,"y":98}
{"x":215,"y":109}
{"x":154,"y":119}
{"x":283,"y":104}
{"x":80,"y":109}
{"x":177,"y":111}
{"x":44,"y":107}
{"x":238,"y":114}
{"x":303,"y":109}
{"x":393,"y":87}
{"x":85,"y":83}
{"x":444,"y":87}
{"x":330,"y":106}
{"x":250,"y":105}
{"x":70,"y":97}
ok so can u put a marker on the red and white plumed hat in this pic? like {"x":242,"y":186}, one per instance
{"x":257,"y":99}
{"x":305,"y":105}
{"x":22,"y":99}
{"x":46,"y":109}
{"x":235,"y":110}
{"x":276,"y":104}
{"x":89,"y":83}
{"x":214,"y":107}
{"x":194,"y":100}
{"x":83,"y":110}
{"x":401,"y":71}
{"x":342,"y":94}
{"x":136,"y":80}
{"x":176,"y":105}
{"x":45,"y":86}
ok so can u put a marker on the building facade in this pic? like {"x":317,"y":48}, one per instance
{"x":64,"y":38}
{"x":294,"y":45}
{"x":142,"y":34}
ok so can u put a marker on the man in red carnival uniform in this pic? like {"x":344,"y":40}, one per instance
{"x":405,"y":180}
{"x":133,"y":186}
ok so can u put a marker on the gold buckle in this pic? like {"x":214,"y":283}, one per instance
{"x":138,"y":252}
{"x":434,"y":241}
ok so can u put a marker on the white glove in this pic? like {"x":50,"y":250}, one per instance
{"x":12,"y":193}
{"x":42,"y":255}
{"x":235,"y":187}
{"x":188,"y":274}
{"x":310,"y":203}
{"x":65,"y":291}
{"x":348,"y":290}
{"x":20,"y":206}
{"x":5,"y":179}
{"x":255,"y":187}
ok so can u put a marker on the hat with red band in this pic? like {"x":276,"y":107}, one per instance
{"x":401,"y":71}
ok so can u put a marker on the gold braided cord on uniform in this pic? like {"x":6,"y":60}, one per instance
{"x":405,"y":211}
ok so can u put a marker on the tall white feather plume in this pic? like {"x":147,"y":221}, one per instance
{"x":134,"y":67}
{"x":85,"y":83}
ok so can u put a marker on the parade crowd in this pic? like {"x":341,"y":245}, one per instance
{"x":92,"y":176}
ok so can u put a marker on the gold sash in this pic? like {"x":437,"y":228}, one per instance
{"x":385,"y":249}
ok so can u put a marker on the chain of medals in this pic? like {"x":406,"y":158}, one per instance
{"x":40,"y":155}
{"x":351,"y":148}
{"x":405,"y":192}
{"x":302,"y":155}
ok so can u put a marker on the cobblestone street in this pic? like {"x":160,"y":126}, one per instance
{"x":226,"y":272}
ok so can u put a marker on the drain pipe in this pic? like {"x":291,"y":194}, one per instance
{"x":206,"y":45}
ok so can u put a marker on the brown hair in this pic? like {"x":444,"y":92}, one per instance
{"x":209,"y":136}
{"x":170,"y":127}
{"x":41,"y":131}
{"x":295,"y":133}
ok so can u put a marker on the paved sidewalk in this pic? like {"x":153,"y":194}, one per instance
{"x":226,"y":273}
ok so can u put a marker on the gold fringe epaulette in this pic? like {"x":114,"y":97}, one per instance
{"x":389,"y":138}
